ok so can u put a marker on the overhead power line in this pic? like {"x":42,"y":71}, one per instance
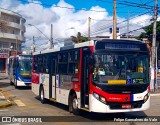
{"x":70,"y":8}
{"x":132,"y":31}
{"x":104,"y":27}
{"x":63,"y":7}
{"x":101,"y":20}
{"x":131,"y":4}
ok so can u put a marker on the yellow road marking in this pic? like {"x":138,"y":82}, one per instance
{"x":19,"y":103}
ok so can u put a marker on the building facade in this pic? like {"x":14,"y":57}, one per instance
{"x":12,"y":29}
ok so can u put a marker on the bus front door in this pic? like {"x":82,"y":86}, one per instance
{"x":85,"y":79}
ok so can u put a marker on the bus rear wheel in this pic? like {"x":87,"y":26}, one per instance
{"x":73,"y":105}
{"x":41,"y":95}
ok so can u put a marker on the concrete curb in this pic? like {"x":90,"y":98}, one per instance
{"x":3,"y":78}
{"x":5,"y":100}
{"x":6,"y":104}
{"x":156,"y":94}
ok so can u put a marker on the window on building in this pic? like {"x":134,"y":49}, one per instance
{"x":22,"y":33}
{"x":0,"y":44}
{"x":13,"y":45}
{"x":5,"y":45}
{"x":13,"y":32}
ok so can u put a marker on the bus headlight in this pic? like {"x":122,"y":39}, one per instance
{"x":96,"y":95}
{"x":19,"y":79}
{"x":146,"y":97}
{"x":100,"y":98}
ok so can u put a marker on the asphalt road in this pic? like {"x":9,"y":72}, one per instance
{"x":27,"y":104}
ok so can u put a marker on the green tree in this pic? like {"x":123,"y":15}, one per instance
{"x":79,"y":38}
{"x":149,"y":32}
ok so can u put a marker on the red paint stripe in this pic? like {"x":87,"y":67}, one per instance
{"x":91,"y":48}
{"x":112,"y":97}
{"x":35,"y":78}
{"x":149,"y":88}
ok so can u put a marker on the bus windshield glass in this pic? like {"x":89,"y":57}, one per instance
{"x":117,"y":69}
{"x":25,"y":67}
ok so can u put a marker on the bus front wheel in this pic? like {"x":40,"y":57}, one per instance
{"x":73,"y":105}
{"x":41,"y":95}
{"x":15,"y":83}
{"x":11,"y":83}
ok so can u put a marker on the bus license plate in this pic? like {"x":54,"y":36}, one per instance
{"x":126,"y":106}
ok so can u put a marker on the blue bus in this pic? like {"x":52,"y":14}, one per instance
{"x":20,"y":67}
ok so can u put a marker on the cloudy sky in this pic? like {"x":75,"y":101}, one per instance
{"x":71,"y":16}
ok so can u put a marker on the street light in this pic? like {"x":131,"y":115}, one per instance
{"x":50,"y":39}
{"x":68,"y":29}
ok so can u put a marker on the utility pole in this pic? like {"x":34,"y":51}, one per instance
{"x":51,"y":40}
{"x":114,"y":21}
{"x":33,"y":45}
{"x":16,"y":46}
{"x":154,"y":49}
{"x":128,"y":26}
{"x":89,"y":27}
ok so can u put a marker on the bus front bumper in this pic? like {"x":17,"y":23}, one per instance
{"x":97,"y":106}
{"x":21,"y":83}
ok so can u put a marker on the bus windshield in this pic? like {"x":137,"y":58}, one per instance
{"x":117,"y":69}
{"x":25,"y":68}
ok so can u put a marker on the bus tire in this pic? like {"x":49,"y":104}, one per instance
{"x":41,"y":95}
{"x":11,"y":83}
{"x":73,"y":105}
{"x":15,"y":83}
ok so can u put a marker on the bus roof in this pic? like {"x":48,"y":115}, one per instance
{"x":20,"y":55}
{"x":87,"y":43}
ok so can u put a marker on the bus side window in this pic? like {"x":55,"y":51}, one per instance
{"x":35,"y":66}
{"x":40,"y":63}
{"x":14,"y":65}
{"x":45,"y":63}
{"x":73,"y":62}
{"x":62,"y":63}
{"x":53,"y":60}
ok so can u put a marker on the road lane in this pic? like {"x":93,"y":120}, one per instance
{"x":33,"y":107}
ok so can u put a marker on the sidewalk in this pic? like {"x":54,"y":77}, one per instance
{"x":3,"y":76}
{"x":156,"y":93}
{"x":4,"y":102}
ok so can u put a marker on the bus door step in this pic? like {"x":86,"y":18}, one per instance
{"x":52,"y":99}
